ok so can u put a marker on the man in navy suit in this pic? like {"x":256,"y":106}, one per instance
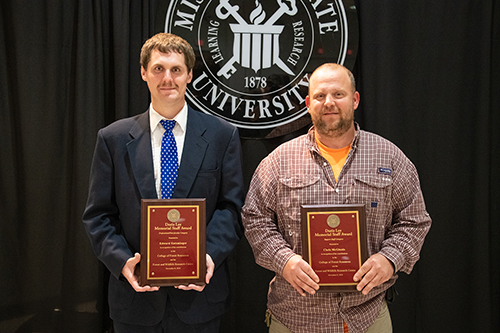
{"x":126,"y":169}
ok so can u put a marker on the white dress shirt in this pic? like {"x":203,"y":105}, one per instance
{"x":157,"y":131}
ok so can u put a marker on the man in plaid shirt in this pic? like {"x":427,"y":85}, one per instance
{"x":334,"y":163}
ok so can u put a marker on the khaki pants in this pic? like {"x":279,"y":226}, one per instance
{"x":382,"y":324}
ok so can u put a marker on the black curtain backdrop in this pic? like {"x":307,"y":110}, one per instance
{"x":429,"y":77}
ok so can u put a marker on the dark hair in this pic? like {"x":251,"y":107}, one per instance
{"x":166,"y":43}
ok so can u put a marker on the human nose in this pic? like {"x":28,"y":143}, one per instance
{"x":167,"y":77}
{"x":329,"y":100}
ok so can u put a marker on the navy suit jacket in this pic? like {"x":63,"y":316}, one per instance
{"x":122,"y":175}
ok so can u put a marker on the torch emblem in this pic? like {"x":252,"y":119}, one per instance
{"x":255,"y":45}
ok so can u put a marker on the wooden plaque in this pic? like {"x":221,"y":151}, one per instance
{"x":334,"y":243}
{"x":173,"y":242}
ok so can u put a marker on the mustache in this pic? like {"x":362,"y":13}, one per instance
{"x":330,"y":109}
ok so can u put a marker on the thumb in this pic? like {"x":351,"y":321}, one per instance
{"x":210,"y":269}
{"x":137,"y":258}
{"x":130,"y":265}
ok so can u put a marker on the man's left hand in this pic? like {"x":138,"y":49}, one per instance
{"x":208,"y":276}
{"x":375,"y":271}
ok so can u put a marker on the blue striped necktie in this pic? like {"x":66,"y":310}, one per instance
{"x":168,"y":159}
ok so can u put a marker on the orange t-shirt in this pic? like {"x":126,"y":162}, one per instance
{"x":336,"y":157}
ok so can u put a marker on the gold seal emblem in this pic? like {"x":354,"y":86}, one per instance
{"x":333,"y":221}
{"x":173,"y":215}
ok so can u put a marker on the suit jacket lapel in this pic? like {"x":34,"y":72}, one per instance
{"x":195,"y":146}
{"x":141,"y":159}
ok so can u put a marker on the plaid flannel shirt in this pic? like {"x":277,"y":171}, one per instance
{"x":377,"y":174}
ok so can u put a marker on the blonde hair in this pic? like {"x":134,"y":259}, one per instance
{"x":333,"y":66}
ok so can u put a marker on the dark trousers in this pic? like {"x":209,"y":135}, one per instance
{"x":169,"y":324}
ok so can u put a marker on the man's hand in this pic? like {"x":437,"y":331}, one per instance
{"x":131,"y":272}
{"x":208,"y":276}
{"x":375,"y":271}
{"x":301,"y":276}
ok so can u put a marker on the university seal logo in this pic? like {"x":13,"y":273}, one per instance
{"x":254,"y":57}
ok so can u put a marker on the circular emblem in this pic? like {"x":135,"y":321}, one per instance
{"x":173,"y":215}
{"x":333,"y":221}
{"x":254,"y":58}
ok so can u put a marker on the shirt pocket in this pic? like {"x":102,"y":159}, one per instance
{"x":375,"y":193}
{"x":294,"y":190}
{"x":300,"y":181}
{"x":297,"y":190}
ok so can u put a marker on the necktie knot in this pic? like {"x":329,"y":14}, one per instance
{"x":168,"y":125}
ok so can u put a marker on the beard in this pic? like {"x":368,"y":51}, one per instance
{"x":335,"y":129}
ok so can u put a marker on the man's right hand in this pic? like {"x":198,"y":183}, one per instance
{"x":131,"y":273}
{"x":301,"y":276}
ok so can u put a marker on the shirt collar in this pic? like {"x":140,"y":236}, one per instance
{"x":311,"y":142}
{"x":180,"y":118}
